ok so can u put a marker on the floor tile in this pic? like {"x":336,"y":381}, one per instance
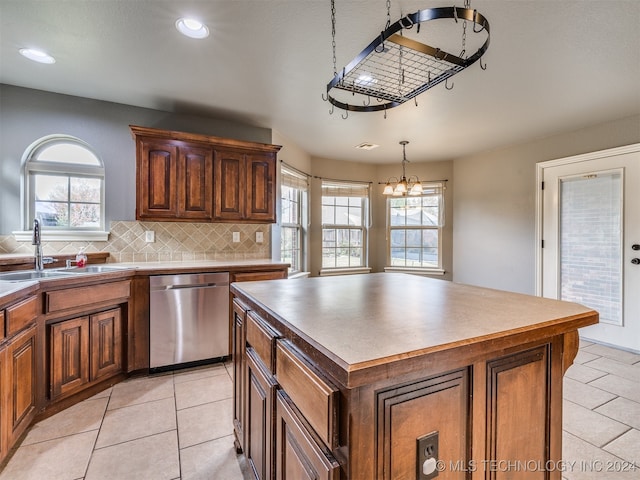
{"x":620,"y":386}
{"x":64,"y":458}
{"x":591,"y":426}
{"x":584,"y":461}
{"x":197,"y":373}
{"x":585,"y":343}
{"x":615,"y":353}
{"x":627,"y":447}
{"x":584,"y":357}
{"x":205,"y":422}
{"x":153,"y":457}
{"x":203,"y":390}
{"x":583,"y":373}
{"x":623,"y":410}
{"x":586,"y":395}
{"x":141,"y":390}
{"x":609,"y":365}
{"x":82,"y":417}
{"x":215,"y":459}
{"x":137,"y":421}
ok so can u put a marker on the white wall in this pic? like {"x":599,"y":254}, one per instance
{"x":494,"y":204}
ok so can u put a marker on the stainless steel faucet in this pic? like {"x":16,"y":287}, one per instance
{"x":36,"y":240}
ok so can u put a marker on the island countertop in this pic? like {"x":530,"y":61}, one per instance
{"x":363,"y":321}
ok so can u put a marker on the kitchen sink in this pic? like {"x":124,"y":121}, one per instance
{"x":32,"y":275}
{"x":93,"y":269}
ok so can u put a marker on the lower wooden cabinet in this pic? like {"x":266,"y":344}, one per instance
{"x":261,"y":388}
{"x":239,"y":365}
{"x":84,"y":350}
{"x":299,"y":455}
{"x":19,"y":385}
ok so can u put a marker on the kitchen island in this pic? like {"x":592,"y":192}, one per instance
{"x":393,"y":376}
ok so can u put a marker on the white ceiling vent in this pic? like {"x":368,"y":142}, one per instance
{"x":367,"y":146}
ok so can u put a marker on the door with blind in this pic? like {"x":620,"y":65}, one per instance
{"x":590,"y":228}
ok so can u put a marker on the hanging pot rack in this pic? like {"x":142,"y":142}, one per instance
{"x":394,"y":69}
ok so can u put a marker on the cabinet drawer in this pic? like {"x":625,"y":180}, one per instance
{"x":262,"y":338}
{"x":314,"y":396}
{"x":256,"y":276}
{"x":83,"y":296}
{"x":21,"y":314}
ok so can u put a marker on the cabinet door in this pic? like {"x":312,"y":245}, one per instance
{"x":239,"y":344}
{"x":260,"y":416}
{"x":230,"y":185}
{"x":69,"y":360}
{"x":4,"y":404}
{"x":157,"y":176}
{"x":299,"y":456}
{"x":195,"y":183}
{"x":22,"y":383}
{"x":260,"y":175}
{"x":106,"y":343}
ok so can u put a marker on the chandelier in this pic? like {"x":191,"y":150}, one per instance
{"x":394,"y":68}
{"x":403,"y":186}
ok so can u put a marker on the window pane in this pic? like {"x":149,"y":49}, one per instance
{"x":85,"y":215}
{"x":328,"y":214}
{"x":398,"y":257}
{"x":414,"y":238}
{"x":85,"y":189}
{"x":52,"y":214}
{"x":355,"y":216}
{"x":328,"y":258}
{"x":342,"y":201}
{"x":68,"y":153}
{"x":398,"y":238}
{"x":50,"y":187}
{"x":355,"y":257}
{"x":329,"y":238}
{"x":342,"y":216}
{"x":591,"y":228}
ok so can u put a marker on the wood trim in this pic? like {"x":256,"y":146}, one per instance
{"x":204,"y":139}
{"x":74,"y":298}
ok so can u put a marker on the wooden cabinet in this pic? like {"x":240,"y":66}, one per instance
{"x":239,"y":315}
{"x":174,"y":181}
{"x":379,"y":396}
{"x":83,"y":350}
{"x":19,"y":372}
{"x":21,"y":358}
{"x":201,"y":178}
{"x":244,"y":186}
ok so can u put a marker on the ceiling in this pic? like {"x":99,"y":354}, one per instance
{"x":553,"y":66}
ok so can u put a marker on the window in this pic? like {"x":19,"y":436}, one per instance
{"x":63,"y":185}
{"x":293,"y":204}
{"x":415,"y":230}
{"x":344,"y":225}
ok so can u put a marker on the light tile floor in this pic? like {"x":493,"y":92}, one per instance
{"x":178,"y":426}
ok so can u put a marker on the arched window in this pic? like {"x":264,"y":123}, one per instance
{"x":63,"y":185}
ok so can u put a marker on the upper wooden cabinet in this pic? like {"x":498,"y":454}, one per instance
{"x":201,"y":178}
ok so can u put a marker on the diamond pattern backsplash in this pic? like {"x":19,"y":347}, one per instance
{"x":174,"y":241}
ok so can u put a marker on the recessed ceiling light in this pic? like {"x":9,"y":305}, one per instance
{"x":192,"y":28}
{"x":367,"y":146}
{"x":37,"y":55}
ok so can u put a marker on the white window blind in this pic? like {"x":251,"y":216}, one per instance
{"x":294,"y":179}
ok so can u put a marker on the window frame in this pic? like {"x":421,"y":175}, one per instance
{"x":299,"y":183}
{"x":32,"y":168}
{"x":349,"y":190}
{"x":438,"y":190}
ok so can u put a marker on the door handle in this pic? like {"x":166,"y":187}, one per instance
{"x":635,"y":261}
{"x":635,"y":246}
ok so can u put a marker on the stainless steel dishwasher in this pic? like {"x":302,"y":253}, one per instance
{"x":189,"y":319}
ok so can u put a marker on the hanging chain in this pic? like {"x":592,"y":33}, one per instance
{"x":333,"y":36}
{"x":388,"y":14}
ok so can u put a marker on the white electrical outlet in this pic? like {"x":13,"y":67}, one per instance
{"x":259,"y":237}
{"x":150,"y":236}
{"x":236,"y":237}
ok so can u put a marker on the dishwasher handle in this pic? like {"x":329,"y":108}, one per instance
{"x":195,"y":285}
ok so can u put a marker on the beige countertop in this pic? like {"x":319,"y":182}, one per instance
{"x":357,"y":321}
{"x":9,"y":290}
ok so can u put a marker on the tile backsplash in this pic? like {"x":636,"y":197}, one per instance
{"x":174,"y":241}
